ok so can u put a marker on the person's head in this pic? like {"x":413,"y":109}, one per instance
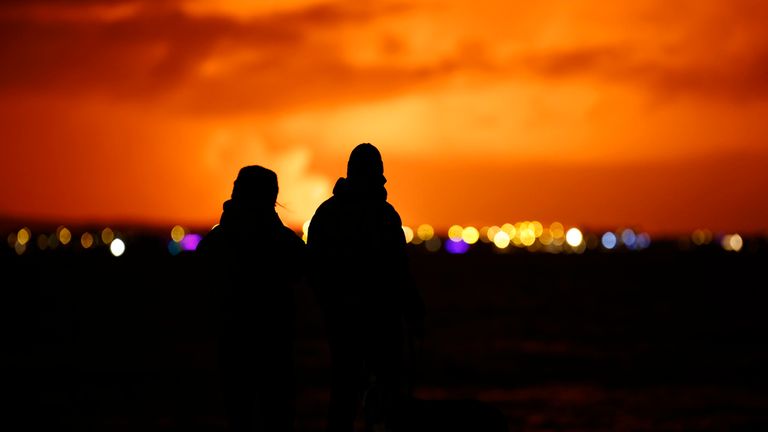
{"x":365,"y":165}
{"x":255,"y":185}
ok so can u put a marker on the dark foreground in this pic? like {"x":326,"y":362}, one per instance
{"x":643,"y":341}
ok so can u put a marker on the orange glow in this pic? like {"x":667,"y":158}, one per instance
{"x":592,"y":113}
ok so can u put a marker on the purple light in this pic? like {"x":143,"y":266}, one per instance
{"x":456,"y":246}
{"x":190,"y":242}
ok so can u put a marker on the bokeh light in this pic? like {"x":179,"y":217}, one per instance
{"x":501,"y":239}
{"x":643,"y":241}
{"x":425,"y":232}
{"x":574,"y":237}
{"x":491,"y":234}
{"x":484,"y":235}
{"x":455,"y":232}
{"x":546,"y":237}
{"x":456,"y":246}
{"x":608,"y":240}
{"x":19,"y":248}
{"x":537,"y":227}
{"x":86,"y":240}
{"x":732,"y":242}
{"x":701,"y":237}
{"x":557,"y":229}
{"x":190,"y":241}
{"x":42,"y":242}
{"x":107,"y":235}
{"x":408,"y":232}
{"x":628,"y":237}
{"x":12,"y":239}
{"x":177,"y":233}
{"x":23,"y":236}
{"x":64,"y":235}
{"x":470,"y":235}
{"x":174,"y":248}
{"x":527,"y":235}
{"x":433,"y":244}
{"x":117,"y":247}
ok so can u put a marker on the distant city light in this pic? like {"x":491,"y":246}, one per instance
{"x":732,"y":242}
{"x":42,"y":242}
{"x":177,"y":233}
{"x":117,"y":247}
{"x":107,"y":235}
{"x":509,"y":229}
{"x":190,"y":241}
{"x":643,"y":241}
{"x":501,"y":239}
{"x":491,"y":234}
{"x":558,"y":231}
{"x":701,"y":237}
{"x":608,"y":240}
{"x":456,"y":246}
{"x":484,"y":234}
{"x":537,"y":228}
{"x":86,"y":240}
{"x":425,"y":232}
{"x":628,"y":237}
{"x":19,"y":248}
{"x":65,"y":236}
{"x":455,"y":232}
{"x":174,"y":248}
{"x":527,"y":234}
{"x":433,"y":244}
{"x":470,"y":235}
{"x":408,"y":234}
{"x":23,"y":236}
{"x":574,"y":237}
{"x":546,"y":237}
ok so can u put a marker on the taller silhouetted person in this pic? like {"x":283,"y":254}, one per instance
{"x":359,"y":269}
{"x":253,"y":261}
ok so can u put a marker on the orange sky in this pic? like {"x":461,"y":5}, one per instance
{"x":593,"y":113}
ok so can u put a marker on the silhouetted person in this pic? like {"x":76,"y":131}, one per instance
{"x":253,"y":260}
{"x":359,"y":270}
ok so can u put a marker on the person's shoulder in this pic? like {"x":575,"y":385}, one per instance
{"x":211,"y":240}
{"x":390,"y":212}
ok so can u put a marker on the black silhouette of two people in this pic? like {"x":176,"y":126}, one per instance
{"x":358,"y":267}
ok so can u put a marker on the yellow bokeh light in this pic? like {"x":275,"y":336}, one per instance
{"x":65,"y":236}
{"x":484,"y":234}
{"x":546,"y":237}
{"x":19,"y":248}
{"x":470,"y":235}
{"x":117,"y":247}
{"x":501,"y":239}
{"x":574,"y":237}
{"x":491,"y":234}
{"x":23,"y":236}
{"x":107,"y":235}
{"x":408,"y":234}
{"x":732,"y":242}
{"x":86,"y":240}
{"x":509,"y":229}
{"x":557,"y":229}
{"x":527,"y":236}
{"x":425,"y":232}
{"x":538,"y":228}
{"x":455,"y":232}
{"x":12,"y":239}
{"x":177,"y":233}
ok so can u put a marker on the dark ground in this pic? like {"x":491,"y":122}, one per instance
{"x":658,"y":340}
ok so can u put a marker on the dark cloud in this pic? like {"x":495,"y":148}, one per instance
{"x":159,"y":51}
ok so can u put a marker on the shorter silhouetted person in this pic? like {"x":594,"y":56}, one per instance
{"x":253,"y":261}
{"x":359,"y":269}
